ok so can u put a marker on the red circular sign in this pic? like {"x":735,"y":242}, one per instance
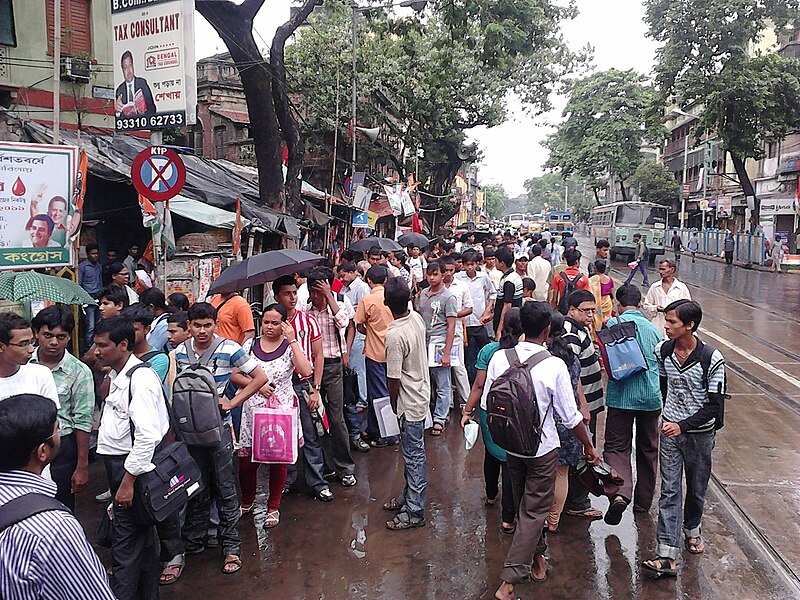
{"x":158,"y":173}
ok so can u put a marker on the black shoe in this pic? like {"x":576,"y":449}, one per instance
{"x":615,"y":511}
{"x":324,"y":495}
{"x":328,"y":474}
{"x":359,"y":445}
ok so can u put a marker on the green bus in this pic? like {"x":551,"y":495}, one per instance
{"x":618,"y":222}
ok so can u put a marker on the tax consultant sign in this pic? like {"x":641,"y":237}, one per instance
{"x":37,"y":182}
{"x":154,"y":67}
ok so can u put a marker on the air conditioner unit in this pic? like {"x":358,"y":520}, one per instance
{"x":77,"y":70}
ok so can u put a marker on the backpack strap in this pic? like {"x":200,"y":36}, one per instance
{"x":667,"y":348}
{"x":205,"y":357}
{"x":512,"y":356}
{"x":148,"y":355}
{"x":536,"y":359}
{"x":130,"y":397}
{"x":25,"y":506}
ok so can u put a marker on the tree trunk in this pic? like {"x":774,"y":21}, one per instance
{"x":234,"y":24}
{"x":747,"y":186}
{"x":280,"y":96}
{"x":624,"y":193}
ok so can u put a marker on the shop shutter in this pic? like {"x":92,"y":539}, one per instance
{"x":76,"y":27}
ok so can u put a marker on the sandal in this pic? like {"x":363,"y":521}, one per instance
{"x":491,"y":501}
{"x":508,"y":530}
{"x":586,"y":513}
{"x":232,"y":564}
{"x":615,"y":511}
{"x":543,"y":577}
{"x":272,"y":520}
{"x":171,"y":572}
{"x":244,"y":510}
{"x":437,"y":429}
{"x":393,"y":505}
{"x":695,"y":547}
{"x":404,"y":521}
{"x":660,"y":566}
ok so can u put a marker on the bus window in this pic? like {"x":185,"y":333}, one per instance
{"x":629,"y":215}
{"x":655,"y":216}
{"x":566,"y":217}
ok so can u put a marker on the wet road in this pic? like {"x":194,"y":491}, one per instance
{"x":751,"y":526}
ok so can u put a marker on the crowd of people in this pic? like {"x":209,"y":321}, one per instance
{"x":431,"y":333}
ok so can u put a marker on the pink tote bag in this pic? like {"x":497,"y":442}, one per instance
{"x":275,"y":433}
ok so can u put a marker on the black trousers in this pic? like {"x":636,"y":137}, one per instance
{"x":62,"y":468}
{"x":134,"y":553}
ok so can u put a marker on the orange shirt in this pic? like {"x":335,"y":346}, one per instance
{"x":559,"y":284}
{"x":376,"y":316}
{"x":234,"y":319}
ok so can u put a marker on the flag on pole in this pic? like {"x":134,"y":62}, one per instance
{"x":150,"y":216}
{"x":78,"y":195}
{"x":237,"y":229}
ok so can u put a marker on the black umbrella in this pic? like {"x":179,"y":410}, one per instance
{"x":262,"y":268}
{"x":369,"y":242}
{"x":479,"y":235}
{"x":413,"y":239}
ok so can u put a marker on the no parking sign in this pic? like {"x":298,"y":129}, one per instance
{"x":158,"y":173}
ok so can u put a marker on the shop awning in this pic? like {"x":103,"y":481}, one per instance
{"x":204,"y":213}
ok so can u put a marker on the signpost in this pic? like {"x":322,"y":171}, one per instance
{"x":158,"y":173}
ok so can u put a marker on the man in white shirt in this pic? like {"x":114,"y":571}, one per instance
{"x":134,"y":422}
{"x":494,"y":274}
{"x":17,"y":375}
{"x":663,"y":293}
{"x":417,"y":264}
{"x":533,"y":477}
{"x":539,"y":270}
{"x":483,"y":293}
{"x":461,"y":291}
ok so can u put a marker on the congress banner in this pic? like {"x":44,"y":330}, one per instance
{"x":37,"y":216}
{"x":154,"y":77}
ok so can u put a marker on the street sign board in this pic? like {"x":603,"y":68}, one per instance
{"x":687,"y":188}
{"x":158,"y":173}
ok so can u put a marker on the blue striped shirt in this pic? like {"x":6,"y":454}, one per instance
{"x":46,"y":556}
{"x":641,"y":391}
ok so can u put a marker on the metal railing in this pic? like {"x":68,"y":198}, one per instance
{"x":750,"y":248}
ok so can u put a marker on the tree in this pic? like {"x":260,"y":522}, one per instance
{"x":706,"y":60}
{"x":655,"y":183}
{"x":495,"y":198}
{"x":264,"y":84}
{"x":603,"y":130}
{"x":427,"y":81}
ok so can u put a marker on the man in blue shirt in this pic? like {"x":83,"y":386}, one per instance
{"x":635,"y":399}
{"x":90,"y":277}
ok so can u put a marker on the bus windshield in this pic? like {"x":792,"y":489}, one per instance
{"x":655,"y":216}
{"x":628,"y":214}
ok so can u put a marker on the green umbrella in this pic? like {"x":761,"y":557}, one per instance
{"x":19,"y":286}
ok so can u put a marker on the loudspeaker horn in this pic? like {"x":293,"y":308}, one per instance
{"x":370,"y":133}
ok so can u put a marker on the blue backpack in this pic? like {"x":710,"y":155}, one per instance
{"x":622,"y":355}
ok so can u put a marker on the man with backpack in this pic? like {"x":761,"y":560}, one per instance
{"x":133,"y":423}
{"x":532,"y":386}
{"x":693,"y":389}
{"x":509,"y":290}
{"x":205,"y":363}
{"x":640,"y":258}
{"x":636,"y":398}
{"x":568,"y":281}
{"x":44,"y":552}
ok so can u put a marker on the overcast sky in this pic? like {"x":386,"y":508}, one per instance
{"x":512,"y":152}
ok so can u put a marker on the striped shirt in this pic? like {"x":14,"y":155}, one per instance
{"x":642,"y":390}
{"x":46,"y":556}
{"x":332,"y":325}
{"x":228,"y":355}
{"x":687,"y":392}
{"x":308,"y":332}
{"x":580,"y":342}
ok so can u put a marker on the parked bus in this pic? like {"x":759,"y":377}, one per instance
{"x":618,"y":222}
{"x":559,"y":221}
{"x":514,"y":221}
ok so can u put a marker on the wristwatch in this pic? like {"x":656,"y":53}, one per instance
{"x":316,"y":387}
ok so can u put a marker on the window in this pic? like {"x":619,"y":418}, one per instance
{"x":198,"y":141}
{"x":629,"y":215}
{"x":219,"y":141}
{"x":655,"y":216}
{"x":8,"y":35}
{"x":772,"y":149}
{"x":76,"y":27}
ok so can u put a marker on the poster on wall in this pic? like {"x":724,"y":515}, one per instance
{"x":36,"y":211}
{"x":154,"y":67}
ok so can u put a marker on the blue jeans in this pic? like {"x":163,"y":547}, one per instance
{"x":376,"y":388}
{"x":415,"y":471}
{"x":642,"y":266}
{"x":440,"y":377}
{"x":689,"y":454}
{"x":358,"y":364}
{"x":312,"y":450}
{"x":91,"y":319}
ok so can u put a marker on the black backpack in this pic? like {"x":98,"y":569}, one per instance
{"x":706,"y":354}
{"x":25,"y":506}
{"x":512,"y":411}
{"x":570,"y":285}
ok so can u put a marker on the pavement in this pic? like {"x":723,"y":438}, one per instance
{"x":751,"y":526}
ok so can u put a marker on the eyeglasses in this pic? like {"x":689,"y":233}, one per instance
{"x":57,"y":432}
{"x":587,"y":311}
{"x":22,"y":344}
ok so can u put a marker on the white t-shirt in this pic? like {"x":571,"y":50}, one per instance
{"x":30,"y":379}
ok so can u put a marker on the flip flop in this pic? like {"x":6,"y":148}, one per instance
{"x":541,"y":579}
{"x":232,"y":560}
{"x":171,"y":573}
{"x":437,"y":429}
{"x":697,"y":547}
{"x":663,"y":567}
{"x":587,"y":513}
